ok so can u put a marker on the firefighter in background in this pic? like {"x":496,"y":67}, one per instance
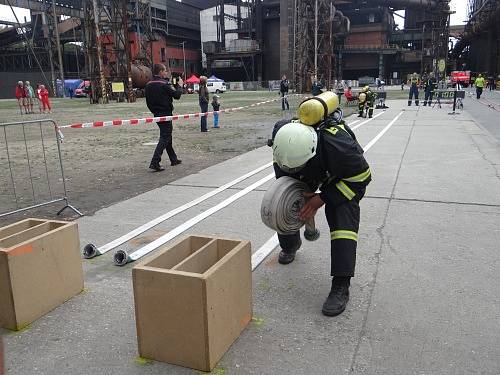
{"x":366,"y":99}
{"x":429,"y":87}
{"x":414,"y":82}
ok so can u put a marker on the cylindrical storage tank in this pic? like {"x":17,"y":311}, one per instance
{"x":141,"y":75}
{"x":312,"y":110}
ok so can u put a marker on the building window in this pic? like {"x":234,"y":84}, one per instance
{"x":162,"y":54}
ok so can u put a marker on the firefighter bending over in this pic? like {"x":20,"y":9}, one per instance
{"x":325,"y":156}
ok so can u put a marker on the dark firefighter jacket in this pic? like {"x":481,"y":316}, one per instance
{"x":339,"y":168}
{"x":430,"y":85}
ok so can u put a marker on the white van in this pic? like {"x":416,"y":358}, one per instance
{"x":215,"y":86}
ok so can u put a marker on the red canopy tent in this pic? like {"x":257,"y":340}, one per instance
{"x":193,"y":79}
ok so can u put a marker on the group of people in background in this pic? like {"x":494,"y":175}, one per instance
{"x":26,"y":97}
{"x":204,"y":100}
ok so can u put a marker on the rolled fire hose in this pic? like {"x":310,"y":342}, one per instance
{"x":281,"y":205}
{"x":315,"y":109}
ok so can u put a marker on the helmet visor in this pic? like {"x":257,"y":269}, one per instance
{"x":294,"y":170}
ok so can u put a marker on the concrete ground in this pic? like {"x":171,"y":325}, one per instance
{"x":425,"y":299}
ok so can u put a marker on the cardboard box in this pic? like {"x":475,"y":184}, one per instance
{"x":192,"y":300}
{"x":40,"y":268}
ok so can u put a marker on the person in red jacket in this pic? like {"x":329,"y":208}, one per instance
{"x":44,"y":94}
{"x":21,"y":97}
{"x":39,"y":97}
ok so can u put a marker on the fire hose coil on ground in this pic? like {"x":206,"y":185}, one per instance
{"x":281,"y":205}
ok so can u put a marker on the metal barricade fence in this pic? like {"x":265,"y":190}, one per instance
{"x":32,"y":172}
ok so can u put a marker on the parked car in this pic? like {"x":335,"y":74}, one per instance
{"x":83,"y":90}
{"x":216,"y":87}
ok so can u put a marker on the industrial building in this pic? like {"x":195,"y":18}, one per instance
{"x":164,"y":31}
{"x":354,"y":38}
{"x":109,"y":41}
{"x":478,"y":47}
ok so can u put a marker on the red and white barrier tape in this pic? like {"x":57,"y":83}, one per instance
{"x":147,"y":120}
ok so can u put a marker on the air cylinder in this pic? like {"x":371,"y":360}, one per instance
{"x":312,"y":110}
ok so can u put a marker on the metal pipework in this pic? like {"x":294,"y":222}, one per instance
{"x":408,"y":3}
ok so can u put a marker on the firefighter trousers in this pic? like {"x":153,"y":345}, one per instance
{"x":428,"y":97}
{"x":343,"y":220}
{"x":413,"y":93}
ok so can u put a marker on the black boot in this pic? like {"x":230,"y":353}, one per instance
{"x":287,"y":256}
{"x":156,"y":167}
{"x":175,"y":162}
{"x":339,"y":296}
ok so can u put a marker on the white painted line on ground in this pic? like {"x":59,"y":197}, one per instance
{"x":384,"y":130}
{"x":264,"y":251}
{"x":367,"y":121}
{"x":121,"y":257}
{"x":271,"y":244}
{"x":150,"y":144}
{"x":91,"y":250}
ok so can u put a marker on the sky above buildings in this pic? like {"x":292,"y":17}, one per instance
{"x":459,"y":6}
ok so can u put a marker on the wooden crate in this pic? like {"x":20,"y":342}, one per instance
{"x":40,"y":268}
{"x":192,"y":300}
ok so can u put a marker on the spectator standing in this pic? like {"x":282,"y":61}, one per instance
{"x":21,"y":96}
{"x":59,"y":88}
{"x":160,"y":94}
{"x":39,"y":97}
{"x":284,"y":85}
{"x":30,"y":96}
{"x":204,"y":99}
{"x":216,"y":108}
{"x":479,"y":86}
{"x":44,"y":94}
{"x":491,"y":83}
{"x":316,"y":87}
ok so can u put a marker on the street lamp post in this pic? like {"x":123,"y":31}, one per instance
{"x":184,"y":58}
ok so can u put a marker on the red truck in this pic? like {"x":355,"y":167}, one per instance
{"x":460,"y":76}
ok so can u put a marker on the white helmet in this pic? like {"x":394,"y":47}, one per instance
{"x":294,"y":144}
